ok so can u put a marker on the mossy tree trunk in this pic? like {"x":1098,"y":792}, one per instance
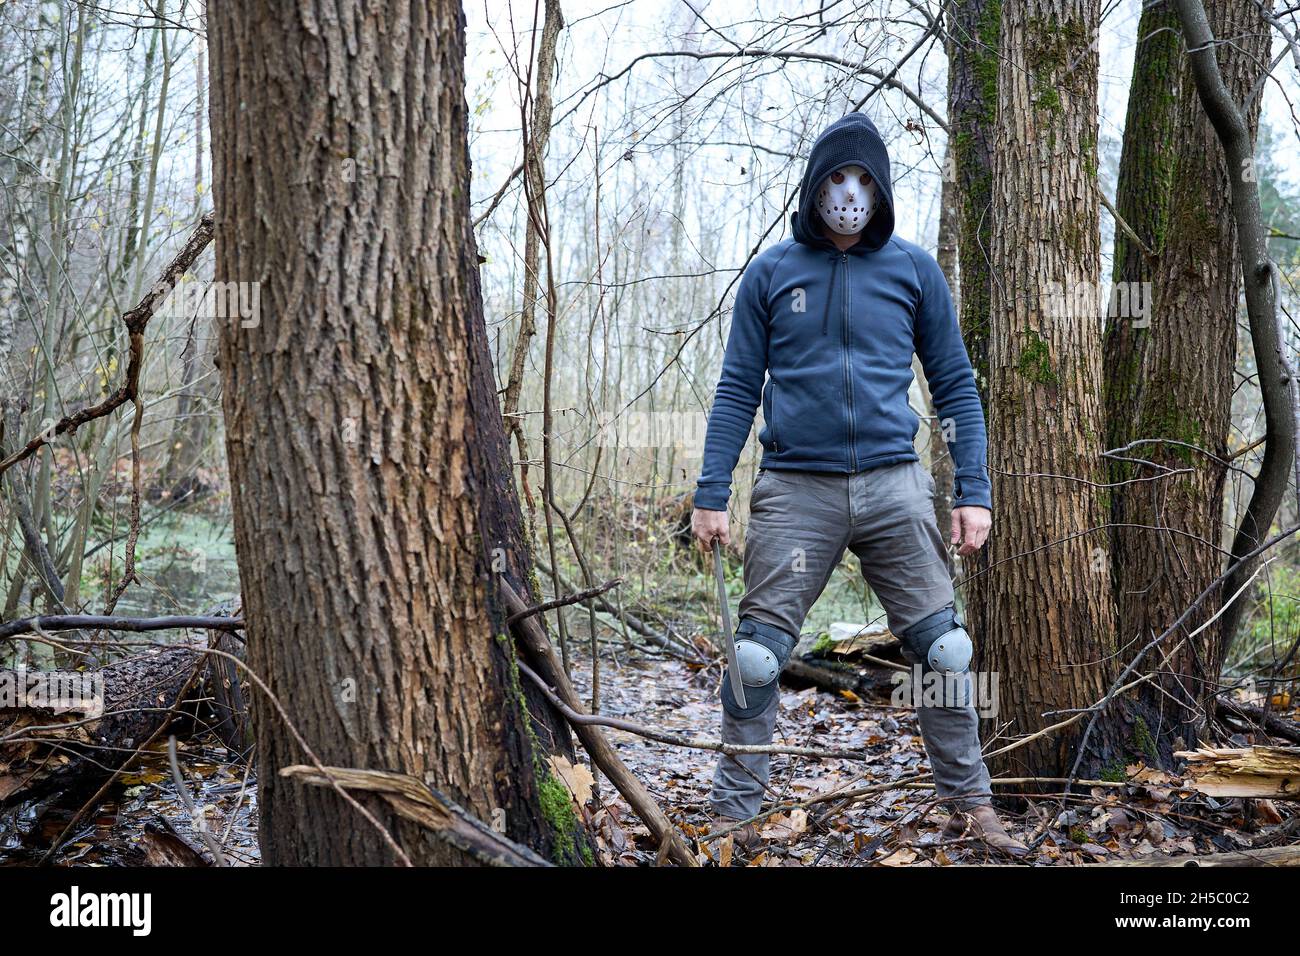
{"x":1171,"y":383}
{"x":374,"y":509}
{"x":1146,"y":176}
{"x":972,"y":31}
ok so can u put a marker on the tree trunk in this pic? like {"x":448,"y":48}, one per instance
{"x":1181,"y":396}
{"x":973,"y":31}
{"x":1050,"y":612}
{"x":1146,"y":175}
{"x":941,"y":466}
{"x":1275,"y":371}
{"x":372,"y":496}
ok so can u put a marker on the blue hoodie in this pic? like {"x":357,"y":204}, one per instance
{"x":834,"y":334}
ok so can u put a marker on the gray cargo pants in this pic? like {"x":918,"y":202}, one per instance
{"x":800,"y":523}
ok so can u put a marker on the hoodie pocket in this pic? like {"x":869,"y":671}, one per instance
{"x":772,"y":429}
{"x":772,"y":442}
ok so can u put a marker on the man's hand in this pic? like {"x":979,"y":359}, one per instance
{"x":707,"y":525}
{"x":970,"y":528}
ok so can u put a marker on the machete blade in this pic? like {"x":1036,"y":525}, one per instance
{"x":733,"y":667}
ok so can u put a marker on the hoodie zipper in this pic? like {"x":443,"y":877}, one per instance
{"x":847,"y":353}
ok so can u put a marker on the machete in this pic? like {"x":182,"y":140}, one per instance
{"x":733,"y":668}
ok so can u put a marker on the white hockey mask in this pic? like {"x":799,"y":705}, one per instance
{"x":847,"y":198}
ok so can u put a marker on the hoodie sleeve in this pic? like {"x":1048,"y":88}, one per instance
{"x":740,"y":388}
{"x":952,"y":386}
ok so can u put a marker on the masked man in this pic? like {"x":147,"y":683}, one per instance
{"x":823,"y":333}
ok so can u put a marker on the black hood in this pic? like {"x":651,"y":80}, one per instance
{"x":851,"y":140}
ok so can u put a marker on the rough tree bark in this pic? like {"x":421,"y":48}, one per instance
{"x":1170,"y":386}
{"x":372,"y":496}
{"x":1050,"y":614}
{"x":946,"y":254}
{"x":973,"y":28}
{"x":1260,"y":279}
{"x":1146,"y":175}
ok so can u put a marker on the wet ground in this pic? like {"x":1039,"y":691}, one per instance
{"x":142,"y":820}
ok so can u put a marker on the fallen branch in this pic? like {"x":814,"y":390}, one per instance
{"x":197,"y":820}
{"x":535,"y":642}
{"x":107,"y":622}
{"x":1271,"y":724}
{"x":162,"y":723}
{"x":425,"y":806}
{"x":690,"y":743}
{"x":673,"y":645}
{"x":43,"y":751}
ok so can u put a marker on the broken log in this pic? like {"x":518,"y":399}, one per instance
{"x":55,"y":748}
{"x":1267,"y":772}
{"x":832,"y":676}
{"x":1272,"y":724}
{"x":227,"y":690}
{"x":851,"y":659}
{"x":1264,"y":856}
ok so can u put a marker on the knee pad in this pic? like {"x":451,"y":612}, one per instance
{"x":940,"y":643}
{"x":761,"y":652}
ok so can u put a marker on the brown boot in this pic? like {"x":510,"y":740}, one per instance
{"x":983,"y":824}
{"x":746,"y":836}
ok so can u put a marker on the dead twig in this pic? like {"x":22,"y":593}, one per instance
{"x":535,"y":642}
{"x":563,"y":601}
{"x":135,"y":321}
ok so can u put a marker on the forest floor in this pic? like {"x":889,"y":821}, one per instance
{"x":804,"y":823}
{"x":807,"y":819}
{"x":142,"y":820}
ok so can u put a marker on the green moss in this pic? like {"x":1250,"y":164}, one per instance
{"x":1104,"y":500}
{"x":823,"y":644}
{"x":984,"y":63}
{"x":1035,"y":361}
{"x":1144,"y":742}
{"x":1115,"y":772}
{"x":1089,"y":146}
{"x":557,"y":807}
{"x":553,"y":796}
{"x":1046,"y":96}
{"x":1052,"y":47}
{"x":1164,"y":418}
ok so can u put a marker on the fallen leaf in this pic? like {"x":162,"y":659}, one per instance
{"x":900,"y":857}
{"x":576,"y":777}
